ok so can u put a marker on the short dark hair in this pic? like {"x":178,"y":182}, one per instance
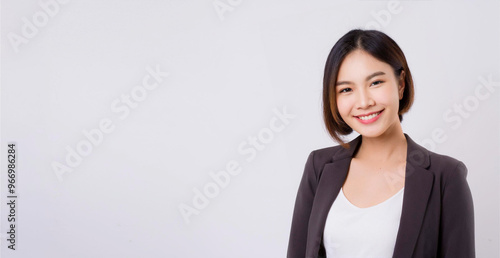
{"x":380,"y":46}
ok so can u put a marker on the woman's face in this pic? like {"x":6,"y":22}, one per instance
{"x":366,"y":85}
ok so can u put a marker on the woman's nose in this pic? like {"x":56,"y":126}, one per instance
{"x":364,"y":99}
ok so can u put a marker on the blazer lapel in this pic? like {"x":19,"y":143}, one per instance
{"x":331,"y":180}
{"x":418,"y":184}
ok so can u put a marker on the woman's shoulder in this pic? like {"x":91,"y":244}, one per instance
{"x":324,"y":155}
{"x":446,"y":166}
{"x":443,"y":159}
{"x":420,"y":155}
{"x":441,"y":165}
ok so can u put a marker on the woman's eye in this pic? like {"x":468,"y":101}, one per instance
{"x":377,"y":82}
{"x":343,"y":90}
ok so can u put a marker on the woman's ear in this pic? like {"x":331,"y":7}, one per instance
{"x":401,"y":84}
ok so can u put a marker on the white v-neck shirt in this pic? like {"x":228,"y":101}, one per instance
{"x":352,"y":232}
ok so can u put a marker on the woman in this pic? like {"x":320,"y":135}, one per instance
{"x":381,"y":194}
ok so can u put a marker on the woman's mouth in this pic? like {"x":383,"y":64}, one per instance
{"x":369,"y":118}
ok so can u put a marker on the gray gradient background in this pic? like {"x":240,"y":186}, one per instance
{"x":225,"y":78}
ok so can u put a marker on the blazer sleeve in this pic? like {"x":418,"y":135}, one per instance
{"x":303,"y":205}
{"x":457,"y":217}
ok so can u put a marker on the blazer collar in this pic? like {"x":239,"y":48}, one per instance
{"x":418,"y":184}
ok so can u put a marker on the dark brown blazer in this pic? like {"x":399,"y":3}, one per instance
{"x":437,"y":218}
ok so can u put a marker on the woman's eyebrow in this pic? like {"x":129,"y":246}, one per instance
{"x":367,"y":78}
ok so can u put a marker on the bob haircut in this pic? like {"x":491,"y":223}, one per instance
{"x":380,"y":46}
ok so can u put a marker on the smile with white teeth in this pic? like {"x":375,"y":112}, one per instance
{"x":368,"y":117}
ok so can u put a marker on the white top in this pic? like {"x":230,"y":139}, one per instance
{"x":352,"y":232}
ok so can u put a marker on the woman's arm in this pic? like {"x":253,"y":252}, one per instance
{"x":457,"y":217}
{"x":303,"y":204}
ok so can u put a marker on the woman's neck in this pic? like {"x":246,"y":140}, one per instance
{"x":386,"y":148}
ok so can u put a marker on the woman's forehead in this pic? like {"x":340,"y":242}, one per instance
{"x":360,"y":64}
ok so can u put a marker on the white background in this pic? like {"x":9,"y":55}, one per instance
{"x":227,"y":73}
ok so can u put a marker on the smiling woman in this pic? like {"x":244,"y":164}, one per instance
{"x":363,"y":52}
{"x":396,"y":198}
{"x":365,"y":99}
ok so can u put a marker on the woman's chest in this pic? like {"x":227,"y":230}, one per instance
{"x":367,"y":185}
